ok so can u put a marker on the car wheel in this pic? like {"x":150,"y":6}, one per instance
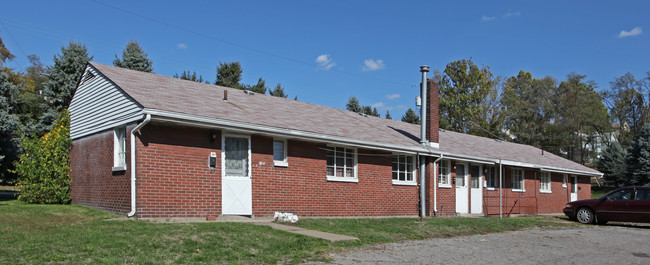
{"x":585,"y":215}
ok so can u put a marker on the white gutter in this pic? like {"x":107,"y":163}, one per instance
{"x":137,"y":128}
{"x":435,"y":185}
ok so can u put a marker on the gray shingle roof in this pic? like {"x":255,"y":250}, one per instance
{"x":205,"y":100}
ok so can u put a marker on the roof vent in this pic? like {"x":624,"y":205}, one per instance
{"x":89,"y":76}
{"x":248,"y":92}
{"x":363,"y":114}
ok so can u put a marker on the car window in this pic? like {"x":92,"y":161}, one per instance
{"x":642,"y":194}
{"x":625,"y":194}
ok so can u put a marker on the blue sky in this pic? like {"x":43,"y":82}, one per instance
{"x":326,"y":51}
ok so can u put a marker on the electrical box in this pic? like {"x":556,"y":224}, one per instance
{"x":418,"y":101}
{"x":212,"y":160}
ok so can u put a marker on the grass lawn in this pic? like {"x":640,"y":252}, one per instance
{"x":599,"y":191}
{"x":65,"y":234}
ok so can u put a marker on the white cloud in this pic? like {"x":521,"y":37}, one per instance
{"x":373,"y":65}
{"x":401,"y":107}
{"x":377,"y":105}
{"x":325,"y":62}
{"x":487,"y":18}
{"x":512,"y":14}
{"x":182,"y":46}
{"x":392,"y":96}
{"x":633,"y":32}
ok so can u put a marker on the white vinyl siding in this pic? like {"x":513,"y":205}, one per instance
{"x":403,"y":170}
{"x":99,"y":105}
{"x":518,"y":180}
{"x":341,"y":164}
{"x":545,"y":182}
{"x":444,"y":176}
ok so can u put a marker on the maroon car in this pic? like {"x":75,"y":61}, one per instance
{"x":628,"y":204}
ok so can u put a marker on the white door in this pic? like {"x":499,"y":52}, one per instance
{"x":476,"y":190}
{"x":462,"y":191}
{"x":236,"y":187}
{"x":574,"y":188}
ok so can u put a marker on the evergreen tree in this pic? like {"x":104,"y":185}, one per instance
{"x":134,"y":58}
{"x":29,"y":101}
{"x":186,"y":75}
{"x":388,"y":117}
{"x":278,"y":91}
{"x":375,"y":112}
{"x":638,"y":159}
{"x":229,"y":75}
{"x":9,"y":144}
{"x":260,"y":87}
{"x":366,"y":110}
{"x":353,"y":105}
{"x":612,"y":163}
{"x":63,"y":78}
{"x":411,"y":117}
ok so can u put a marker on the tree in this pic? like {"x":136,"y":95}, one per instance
{"x":411,"y":117}
{"x":388,"y":117}
{"x":29,"y":101}
{"x":463,"y":87}
{"x":638,"y":159}
{"x":353,"y":105}
{"x":612,"y":163}
{"x":9,"y":145}
{"x":229,"y":75}
{"x":528,"y":110}
{"x":278,"y":91}
{"x":44,"y":168}
{"x":627,"y":106}
{"x":186,"y":75}
{"x":582,"y":116}
{"x":63,"y":78}
{"x":260,"y":87}
{"x":134,"y":58}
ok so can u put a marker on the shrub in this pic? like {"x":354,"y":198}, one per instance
{"x":44,"y":168}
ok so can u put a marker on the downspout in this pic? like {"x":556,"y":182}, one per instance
{"x":500,"y":189}
{"x":435,"y":184}
{"x":423,"y":139}
{"x":137,"y":128}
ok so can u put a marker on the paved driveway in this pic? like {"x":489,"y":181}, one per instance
{"x":566,"y":245}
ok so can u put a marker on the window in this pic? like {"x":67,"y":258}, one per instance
{"x":625,"y":194}
{"x":280,"y":153}
{"x":564,"y":181}
{"x":119,"y":149}
{"x":491,"y":176}
{"x":518,"y":180}
{"x":341,"y":164}
{"x":460,"y":175}
{"x":545,"y":182}
{"x":443,"y":177}
{"x":236,"y":160}
{"x":403,"y":169}
{"x":642,"y":194}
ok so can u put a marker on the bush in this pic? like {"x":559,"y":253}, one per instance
{"x":44,"y":168}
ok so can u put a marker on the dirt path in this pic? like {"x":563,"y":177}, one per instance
{"x":566,"y":245}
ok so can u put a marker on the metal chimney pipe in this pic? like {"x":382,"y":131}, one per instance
{"x":423,"y":123}
{"x":423,"y":109}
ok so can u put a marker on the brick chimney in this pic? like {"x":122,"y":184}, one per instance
{"x":433,"y":120}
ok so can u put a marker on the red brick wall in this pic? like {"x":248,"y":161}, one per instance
{"x":93,"y":183}
{"x":174,"y":179}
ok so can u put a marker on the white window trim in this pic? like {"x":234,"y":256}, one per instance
{"x":550,"y":182}
{"x":564,"y":180}
{"x":354,"y":179}
{"x":285,"y":162}
{"x":523,"y":180}
{"x":487,"y":177}
{"x":405,"y":182}
{"x":117,"y":164}
{"x":223,"y":153}
{"x":448,"y":184}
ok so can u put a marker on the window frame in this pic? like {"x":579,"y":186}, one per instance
{"x":545,"y":175}
{"x":522,"y":181}
{"x":407,"y":182}
{"x":333,"y":148}
{"x":491,"y":177}
{"x":119,"y":138}
{"x":564,"y":180}
{"x":447,"y":176}
{"x":284,"y":162}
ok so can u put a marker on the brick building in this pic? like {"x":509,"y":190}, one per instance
{"x":153,"y":146}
